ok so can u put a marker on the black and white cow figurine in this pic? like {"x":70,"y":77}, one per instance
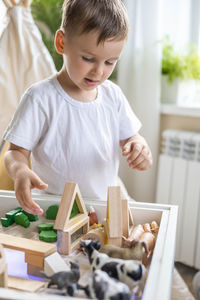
{"x":131,"y":272}
{"x":102,"y":286}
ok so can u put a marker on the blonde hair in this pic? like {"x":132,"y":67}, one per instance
{"x":107,"y":17}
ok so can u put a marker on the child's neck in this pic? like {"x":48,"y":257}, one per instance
{"x":72,"y":90}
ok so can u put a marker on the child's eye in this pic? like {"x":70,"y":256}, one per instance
{"x":88,"y":59}
{"x":109,"y":63}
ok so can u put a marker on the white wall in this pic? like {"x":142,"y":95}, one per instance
{"x":176,"y":20}
{"x":139,"y":77}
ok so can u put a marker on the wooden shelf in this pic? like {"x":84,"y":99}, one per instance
{"x":186,"y":111}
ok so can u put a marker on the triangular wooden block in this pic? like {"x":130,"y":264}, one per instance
{"x":71,"y":193}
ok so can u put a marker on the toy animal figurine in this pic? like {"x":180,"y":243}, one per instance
{"x":131,"y":272}
{"x":148,"y":240}
{"x":65,"y":279}
{"x":147,"y":227}
{"x":136,"y":251}
{"x":136,"y":233}
{"x":101,"y":286}
{"x":154,"y":227}
{"x":92,"y":216}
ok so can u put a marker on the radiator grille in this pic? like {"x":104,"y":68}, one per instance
{"x":183,"y":144}
{"x":178,"y":183}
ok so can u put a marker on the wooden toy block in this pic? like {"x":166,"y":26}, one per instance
{"x":35,"y":260}
{"x":86,"y":226}
{"x":34,"y":270}
{"x":113,"y":241}
{"x":125,"y":218}
{"x":76,"y":223}
{"x":114,"y":206}
{"x":96,"y":234}
{"x":3,"y":269}
{"x":35,"y":251}
{"x":106,"y":230}
{"x":71,"y":193}
{"x":49,"y":236}
{"x":26,"y":245}
{"x":66,"y":224}
{"x":21,"y":219}
{"x":65,"y":245}
{"x":26,"y":285}
{"x":76,"y":244}
{"x":63,"y":242}
{"x":131,"y":222}
{"x":54,"y":263}
{"x":114,"y":212}
{"x":52,"y":211}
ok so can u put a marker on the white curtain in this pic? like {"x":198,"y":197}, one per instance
{"x":24,"y":60}
{"x":139,"y":78}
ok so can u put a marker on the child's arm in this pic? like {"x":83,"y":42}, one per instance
{"x":137,"y":151}
{"x":16,"y":163}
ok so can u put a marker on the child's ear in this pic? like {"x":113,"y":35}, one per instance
{"x":59,"y":41}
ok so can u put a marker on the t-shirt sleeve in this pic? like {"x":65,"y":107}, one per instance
{"x":28,"y":123}
{"x":129,"y":124}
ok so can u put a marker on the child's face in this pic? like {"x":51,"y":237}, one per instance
{"x":88,"y":64}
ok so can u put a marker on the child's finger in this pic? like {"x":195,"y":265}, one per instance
{"x":126,"y":149}
{"x":142,"y":162}
{"x":136,"y":152}
{"x":144,"y":165}
{"x":21,"y":202}
{"x":30,"y":204}
{"x":133,"y":163}
{"x":38,"y":183}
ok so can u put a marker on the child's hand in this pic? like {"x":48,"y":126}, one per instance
{"x":138,"y":153}
{"x":26,"y":180}
{"x":17,"y":165}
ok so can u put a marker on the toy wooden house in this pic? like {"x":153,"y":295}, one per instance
{"x":72,"y":220}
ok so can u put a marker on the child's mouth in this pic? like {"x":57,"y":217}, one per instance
{"x":91,"y":82}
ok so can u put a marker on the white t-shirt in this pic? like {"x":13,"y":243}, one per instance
{"x":71,"y":140}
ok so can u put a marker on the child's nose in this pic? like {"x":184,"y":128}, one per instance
{"x":98,"y":69}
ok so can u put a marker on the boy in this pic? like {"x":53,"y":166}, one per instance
{"x":73,"y":122}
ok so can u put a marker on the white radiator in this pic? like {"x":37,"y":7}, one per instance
{"x":178,"y":183}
